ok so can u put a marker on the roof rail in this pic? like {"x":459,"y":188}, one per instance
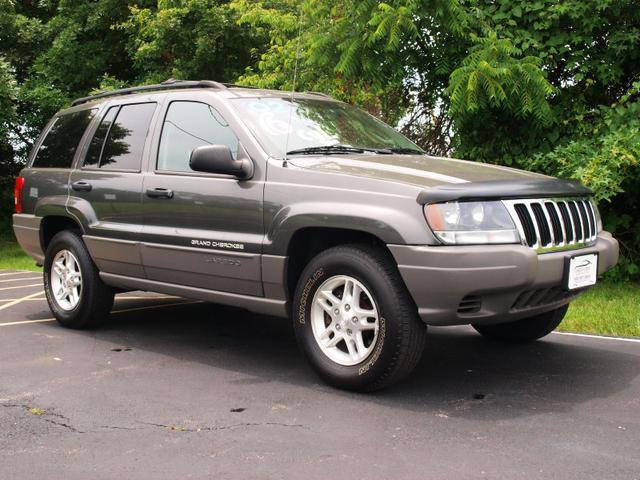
{"x":322,"y":94}
{"x":235,"y":85}
{"x":166,"y":85}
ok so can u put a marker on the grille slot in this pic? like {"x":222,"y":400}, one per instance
{"x":566,"y":220}
{"x":541,"y":297}
{"x":586,"y":227}
{"x":470,"y":304}
{"x":577,"y":222}
{"x":543,"y":226}
{"x":554,"y":224}
{"x":592,"y":219}
{"x":527,"y":224}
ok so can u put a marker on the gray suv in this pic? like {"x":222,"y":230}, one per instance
{"x":299,"y":206}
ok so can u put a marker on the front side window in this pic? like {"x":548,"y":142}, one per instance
{"x":119,"y":140}
{"x":61,"y":142}
{"x":189,"y":125}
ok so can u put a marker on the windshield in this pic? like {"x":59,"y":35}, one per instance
{"x":317,"y":123}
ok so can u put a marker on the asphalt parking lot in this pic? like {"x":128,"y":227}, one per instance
{"x":172,"y":388}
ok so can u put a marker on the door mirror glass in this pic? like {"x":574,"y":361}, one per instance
{"x":219,"y":159}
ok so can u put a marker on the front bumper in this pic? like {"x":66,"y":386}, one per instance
{"x":485,"y":284}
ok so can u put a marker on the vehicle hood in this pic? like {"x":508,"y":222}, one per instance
{"x":419,"y":170}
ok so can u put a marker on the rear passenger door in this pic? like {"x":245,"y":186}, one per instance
{"x":202,"y":230}
{"x":106,"y":189}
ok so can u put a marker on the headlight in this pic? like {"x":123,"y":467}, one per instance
{"x":468,"y":223}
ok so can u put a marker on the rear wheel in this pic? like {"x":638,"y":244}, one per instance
{"x":354,"y":319}
{"x":525,"y":330}
{"x":76,"y":295}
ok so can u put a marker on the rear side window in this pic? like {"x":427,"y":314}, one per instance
{"x":97,"y":142}
{"x":61,"y":142}
{"x":189,"y":125}
{"x":119,"y":139}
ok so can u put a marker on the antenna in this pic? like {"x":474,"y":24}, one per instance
{"x":295,"y":78}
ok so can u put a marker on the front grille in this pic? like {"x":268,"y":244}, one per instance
{"x":549,"y":224}
{"x":541,"y":297}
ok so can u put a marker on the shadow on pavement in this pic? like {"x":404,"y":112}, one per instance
{"x":460,"y":375}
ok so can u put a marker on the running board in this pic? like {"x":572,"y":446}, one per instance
{"x":266,"y":306}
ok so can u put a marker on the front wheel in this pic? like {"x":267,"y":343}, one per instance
{"x":525,"y":330}
{"x":354,"y":319}
{"x":76,"y":295}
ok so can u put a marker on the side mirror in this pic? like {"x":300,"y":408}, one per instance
{"x":218,"y":159}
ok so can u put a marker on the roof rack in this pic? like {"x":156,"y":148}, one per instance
{"x":321,"y":94}
{"x":235,"y":85}
{"x":166,"y":85}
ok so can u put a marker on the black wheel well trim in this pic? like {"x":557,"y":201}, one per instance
{"x":50,"y":225}
{"x":307,"y":242}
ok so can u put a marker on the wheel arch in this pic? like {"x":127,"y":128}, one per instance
{"x":60,"y":213}
{"x":305,"y":243}
{"x":53,"y":224}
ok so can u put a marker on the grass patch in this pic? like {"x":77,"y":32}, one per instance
{"x":606,"y":309}
{"x":11,"y":255}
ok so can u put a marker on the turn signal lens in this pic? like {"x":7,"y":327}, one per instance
{"x":434,"y":216}
{"x":17,"y":194}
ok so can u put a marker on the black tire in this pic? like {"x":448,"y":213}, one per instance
{"x":401,"y":333}
{"x":525,"y":330}
{"x":95,"y":298}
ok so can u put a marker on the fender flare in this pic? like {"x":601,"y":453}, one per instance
{"x":388,"y":224}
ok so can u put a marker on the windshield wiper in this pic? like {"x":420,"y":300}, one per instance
{"x":405,"y":150}
{"x":337,"y":149}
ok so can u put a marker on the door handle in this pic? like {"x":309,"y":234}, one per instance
{"x":159,"y":193}
{"x":81,"y":186}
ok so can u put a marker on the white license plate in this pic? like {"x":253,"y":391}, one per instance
{"x":583,"y":271}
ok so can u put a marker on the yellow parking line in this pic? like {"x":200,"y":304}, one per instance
{"x":24,"y":300}
{"x":22,"y":286}
{"x":17,"y":301}
{"x":25,"y":322}
{"x":117,"y":298}
{"x":19,"y":279}
{"x":19,"y":272}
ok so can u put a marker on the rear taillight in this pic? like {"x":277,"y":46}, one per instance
{"x":17,"y":194}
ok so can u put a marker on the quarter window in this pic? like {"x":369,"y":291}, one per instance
{"x":61,"y":142}
{"x":189,"y":125}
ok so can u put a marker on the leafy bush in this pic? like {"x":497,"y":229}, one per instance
{"x":606,"y":157}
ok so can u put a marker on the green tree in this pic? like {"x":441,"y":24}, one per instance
{"x":8,"y":167}
{"x":192,"y":39}
{"x":496,"y":94}
{"x":371,"y":53}
{"x":605,"y":155}
{"x":404,"y":60}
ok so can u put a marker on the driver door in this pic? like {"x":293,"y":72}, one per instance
{"x":201,"y":230}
